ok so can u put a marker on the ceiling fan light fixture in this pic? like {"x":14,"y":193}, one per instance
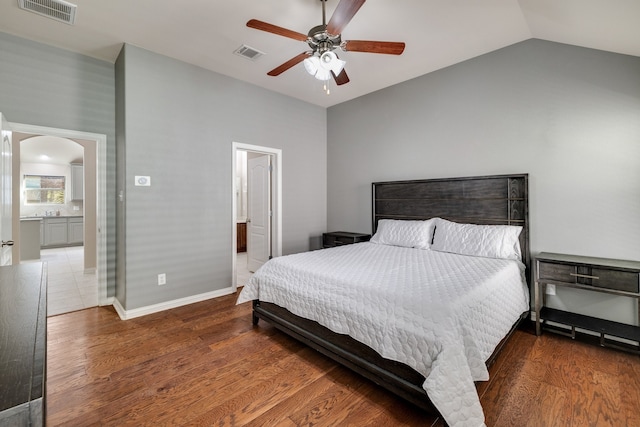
{"x":314,"y":67}
{"x":321,"y":62}
{"x":311,"y":64}
{"x":330,"y":61}
{"x":323,"y":74}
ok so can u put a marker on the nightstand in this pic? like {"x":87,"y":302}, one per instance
{"x":340,"y":238}
{"x":604,"y":275}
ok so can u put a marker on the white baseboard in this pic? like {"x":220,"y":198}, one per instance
{"x":143,"y":311}
{"x":107,"y":301}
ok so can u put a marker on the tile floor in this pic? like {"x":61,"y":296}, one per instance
{"x":69,"y":288}
{"x":242,"y":272}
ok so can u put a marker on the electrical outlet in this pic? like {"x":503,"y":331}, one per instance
{"x":551,"y":290}
{"x":162,"y":279}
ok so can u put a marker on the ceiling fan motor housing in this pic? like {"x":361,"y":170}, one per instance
{"x":321,"y":41}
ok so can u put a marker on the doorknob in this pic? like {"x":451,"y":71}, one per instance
{"x":248,"y":220}
{"x":7,"y":243}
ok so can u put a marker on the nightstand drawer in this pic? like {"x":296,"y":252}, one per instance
{"x":614,"y":279}
{"x":557,"y":272}
{"x":606,"y":278}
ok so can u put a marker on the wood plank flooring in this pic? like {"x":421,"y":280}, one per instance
{"x":205,"y":364}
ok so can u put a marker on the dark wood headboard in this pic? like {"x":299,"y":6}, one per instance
{"x":493,"y":200}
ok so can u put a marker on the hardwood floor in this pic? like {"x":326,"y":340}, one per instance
{"x":205,"y":364}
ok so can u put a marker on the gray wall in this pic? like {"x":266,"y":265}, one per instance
{"x":568,"y":116}
{"x":46,"y":86}
{"x":177,"y":124}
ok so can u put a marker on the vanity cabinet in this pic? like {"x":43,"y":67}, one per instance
{"x":77,"y":181}
{"x":58,"y":232}
{"x":241,"y":234}
{"x":75,"y":230}
{"x":55,"y":231}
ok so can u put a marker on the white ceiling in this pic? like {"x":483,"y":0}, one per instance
{"x":437,"y":33}
{"x":50,"y":150}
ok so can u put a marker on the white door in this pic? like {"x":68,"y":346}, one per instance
{"x":5,"y":194}
{"x":258,"y":211}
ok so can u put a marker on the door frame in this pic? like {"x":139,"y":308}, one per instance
{"x":6,"y":174}
{"x":101,"y":196}
{"x":276,"y":201}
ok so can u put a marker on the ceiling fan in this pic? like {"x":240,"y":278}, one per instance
{"x":321,"y":61}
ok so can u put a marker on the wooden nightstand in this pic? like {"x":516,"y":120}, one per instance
{"x":605,"y":275}
{"x":340,"y":238}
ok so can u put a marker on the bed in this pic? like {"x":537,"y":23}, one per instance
{"x":340,"y":301}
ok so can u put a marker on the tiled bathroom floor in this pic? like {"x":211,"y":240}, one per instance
{"x":242,"y":272}
{"x":69,"y":288}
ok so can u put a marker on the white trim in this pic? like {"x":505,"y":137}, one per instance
{"x":155,"y":308}
{"x":101,"y":208}
{"x":276,"y":156}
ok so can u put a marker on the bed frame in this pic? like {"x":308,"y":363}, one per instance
{"x":497,"y":199}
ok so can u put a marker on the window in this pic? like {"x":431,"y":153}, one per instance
{"x":41,"y":190}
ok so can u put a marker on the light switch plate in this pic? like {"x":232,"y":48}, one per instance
{"x":142,"y":181}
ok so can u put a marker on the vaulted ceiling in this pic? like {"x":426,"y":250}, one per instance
{"x":437,"y":33}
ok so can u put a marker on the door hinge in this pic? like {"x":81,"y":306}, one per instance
{"x":270,"y":168}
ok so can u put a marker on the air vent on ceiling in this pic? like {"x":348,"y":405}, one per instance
{"x":55,"y":9}
{"x":248,"y":52}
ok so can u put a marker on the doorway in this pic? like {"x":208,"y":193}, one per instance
{"x":51,"y":182}
{"x":256,"y":208}
{"x":94,"y":221}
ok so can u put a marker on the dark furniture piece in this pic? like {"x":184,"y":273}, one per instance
{"x":610,"y":276}
{"x":501,"y":199}
{"x":23,"y":338}
{"x":340,"y":238}
{"x":241,"y":237}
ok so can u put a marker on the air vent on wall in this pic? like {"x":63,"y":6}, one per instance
{"x":55,"y":9}
{"x":248,"y":52}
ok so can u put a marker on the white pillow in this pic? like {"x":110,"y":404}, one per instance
{"x":491,"y":241}
{"x":409,"y":234}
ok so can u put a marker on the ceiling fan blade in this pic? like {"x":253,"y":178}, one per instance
{"x":390,"y":48}
{"x":290,"y":63}
{"x":274,"y":29}
{"x":341,"y":78}
{"x":343,"y":14}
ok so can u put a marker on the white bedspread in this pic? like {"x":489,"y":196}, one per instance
{"x":440,"y":313}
